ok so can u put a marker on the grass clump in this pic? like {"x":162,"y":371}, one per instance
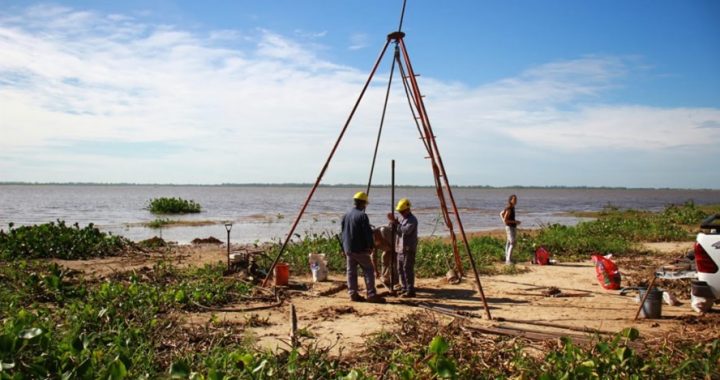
{"x":159,"y":223}
{"x":173,"y":205}
{"x":58,"y":240}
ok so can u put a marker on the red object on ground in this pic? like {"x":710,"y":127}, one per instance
{"x":542,"y":256}
{"x":608,"y":274}
{"x":282,"y":274}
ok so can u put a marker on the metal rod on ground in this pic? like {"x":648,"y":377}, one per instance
{"x":327,"y":163}
{"x":642,"y":302}
{"x":393,"y":228}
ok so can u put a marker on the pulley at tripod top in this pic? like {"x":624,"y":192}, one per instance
{"x":395,"y":36}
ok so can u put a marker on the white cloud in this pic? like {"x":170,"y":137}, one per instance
{"x":250,"y":106}
{"x":358,"y":41}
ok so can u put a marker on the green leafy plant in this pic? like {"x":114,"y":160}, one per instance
{"x":173,"y":205}
{"x":442,"y":366}
{"x":58,"y":240}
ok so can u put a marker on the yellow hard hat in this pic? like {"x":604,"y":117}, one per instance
{"x":403,"y":205}
{"x":361,"y":196}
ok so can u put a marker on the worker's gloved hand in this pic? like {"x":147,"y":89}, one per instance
{"x":391,"y":218}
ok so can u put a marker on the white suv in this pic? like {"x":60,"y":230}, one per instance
{"x":707,"y":254}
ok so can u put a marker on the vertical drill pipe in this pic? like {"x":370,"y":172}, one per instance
{"x":382,"y":122}
{"x":433,"y":143}
{"x":393,"y":254}
{"x":327,"y":163}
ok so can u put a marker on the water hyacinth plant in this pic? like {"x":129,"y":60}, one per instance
{"x":173,"y":205}
{"x":58,"y":240}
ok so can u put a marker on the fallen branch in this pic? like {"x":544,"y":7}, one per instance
{"x":446,"y":311}
{"x":279,"y":302}
{"x":528,"y":334}
{"x":555,"y":325}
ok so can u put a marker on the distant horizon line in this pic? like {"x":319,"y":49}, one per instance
{"x":338,"y":185}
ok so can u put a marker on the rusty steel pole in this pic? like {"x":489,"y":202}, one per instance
{"x":438,"y":167}
{"x":325,"y":166}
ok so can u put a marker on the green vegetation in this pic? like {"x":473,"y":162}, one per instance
{"x":159,"y":223}
{"x":59,"y":325}
{"x":296,"y":253}
{"x":57,"y":240}
{"x":617,"y":231}
{"x":173,"y":205}
{"x":55,"y":325}
{"x":424,"y":349}
{"x":614,"y":231}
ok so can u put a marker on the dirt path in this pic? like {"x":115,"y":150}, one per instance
{"x":335,"y":320}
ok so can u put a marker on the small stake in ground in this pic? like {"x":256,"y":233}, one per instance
{"x":293,"y":326}
{"x":228,"y":227}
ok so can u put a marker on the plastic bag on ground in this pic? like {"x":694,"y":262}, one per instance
{"x":700,"y":304}
{"x":542,"y":256}
{"x":318,"y":266}
{"x":607,"y":272}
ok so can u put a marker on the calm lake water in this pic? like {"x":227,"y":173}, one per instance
{"x":266,"y":213}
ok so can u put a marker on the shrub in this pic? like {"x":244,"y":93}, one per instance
{"x":165,"y":205}
{"x":57,"y":240}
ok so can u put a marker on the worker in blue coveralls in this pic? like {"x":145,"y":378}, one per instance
{"x":406,"y":241}
{"x":358,"y":245}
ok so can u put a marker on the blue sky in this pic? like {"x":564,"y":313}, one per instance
{"x":573,"y":93}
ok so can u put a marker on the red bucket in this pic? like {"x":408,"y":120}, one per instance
{"x":282,"y":274}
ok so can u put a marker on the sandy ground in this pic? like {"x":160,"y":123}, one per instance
{"x":335,"y":321}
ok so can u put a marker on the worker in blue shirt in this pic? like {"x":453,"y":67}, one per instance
{"x":357,"y":241}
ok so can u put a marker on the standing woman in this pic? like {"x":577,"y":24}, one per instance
{"x":508,"y":217}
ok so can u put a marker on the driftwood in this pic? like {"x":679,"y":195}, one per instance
{"x":528,"y":334}
{"x":467,"y":314}
{"x":555,"y":325}
{"x":278,"y":302}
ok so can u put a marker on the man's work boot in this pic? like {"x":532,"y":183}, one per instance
{"x":356,"y":298}
{"x":376,"y":299}
{"x":408,"y":294}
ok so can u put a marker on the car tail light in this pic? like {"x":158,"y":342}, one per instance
{"x":704,"y":262}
